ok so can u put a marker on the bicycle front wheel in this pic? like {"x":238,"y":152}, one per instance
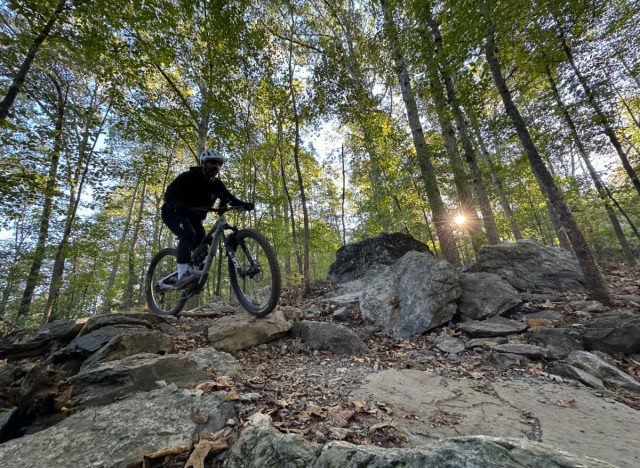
{"x":161,"y":298}
{"x":256,"y":277}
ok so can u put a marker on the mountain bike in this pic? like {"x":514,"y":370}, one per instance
{"x":254,"y":273}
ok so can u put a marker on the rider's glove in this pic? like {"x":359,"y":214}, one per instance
{"x":248,"y":206}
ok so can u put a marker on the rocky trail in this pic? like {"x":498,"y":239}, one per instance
{"x":398,"y":359}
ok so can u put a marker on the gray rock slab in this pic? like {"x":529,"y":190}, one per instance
{"x":559,"y":415}
{"x":495,"y":326}
{"x":564,"y":340}
{"x":263,"y":446}
{"x":341,"y":314}
{"x":213,"y":309}
{"x":486,"y":342}
{"x":614,"y":332}
{"x":328,"y":337}
{"x":587,"y":306}
{"x":449,"y":344}
{"x":527,"y":265}
{"x":565,"y":370}
{"x":345,"y":300}
{"x":609,"y":374}
{"x":416,"y":294}
{"x":216,"y":361}
{"x":528,"y":350}
{"x":546,"y":315}
{"x":485,"y":295}
{"x":145,"y":319}
{"x":101,"y":384}
{"x":507,"y":360}
{"x":119,"y":435}
{"x":538,"y":298}
{"x":241,"y":330}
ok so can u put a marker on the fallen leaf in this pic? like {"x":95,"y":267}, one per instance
{"x":568,"y":404}
{"x":232,"y":396}
{"x":222,"y":383}
{"x":204,"y":448}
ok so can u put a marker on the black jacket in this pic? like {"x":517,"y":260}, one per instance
{"x":193,"y":189}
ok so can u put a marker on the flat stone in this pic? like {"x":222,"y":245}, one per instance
{"x":495,"y":326}
{"x":566,"y":417}
{"x":213,"y":309}
{"x":610,"y":375}
{"x":241,"y":331}
{"x":120,"y":434}
{"x":145,"y":319}
{"x":613,"y":332}
{"x":564,"y":340}
{"x":486,"y":342}
{"x":546,"y":315}
{"x":565,"y":370}
{"x":507,"y":360}
{"x":528,"y":350}
{"x":341,"y":314}
{"x":345,"y":299}
{"x":449,"y":344}
{"x":217,"y":361}
{"x":587,"y":306}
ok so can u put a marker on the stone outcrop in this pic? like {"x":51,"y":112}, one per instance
{"x":416,"y":294}
{"x":526,"y":265}
{"x":354,"y":260}
{"x":609,"y":374}
{"x":120,"y":434}
{"x":614,"y":332}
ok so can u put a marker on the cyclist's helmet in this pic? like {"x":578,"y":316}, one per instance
{"x":210,"y":155}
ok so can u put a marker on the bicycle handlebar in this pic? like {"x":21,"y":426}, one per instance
{"x":220,"y":211}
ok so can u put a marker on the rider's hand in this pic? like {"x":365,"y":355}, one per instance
{"x":248,"y":206}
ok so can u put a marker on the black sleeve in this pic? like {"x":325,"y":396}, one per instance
{"x":221,"y":192}
{"x":175,"y":191}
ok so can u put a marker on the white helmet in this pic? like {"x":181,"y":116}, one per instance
{"x":210,"y":155}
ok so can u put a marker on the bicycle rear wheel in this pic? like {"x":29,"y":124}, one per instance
{"x":256,"y":283}
{"x":161,"y":275}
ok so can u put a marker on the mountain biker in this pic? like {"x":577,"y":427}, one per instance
{"x":199,"y":187}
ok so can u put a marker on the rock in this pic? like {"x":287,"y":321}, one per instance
{"x":16,"y":346}
{"x":8,"y":423}
{"x":101,"y":384}
{"x":485,"y":342}
{"x":311,"y":310}
{"x":485,"y":295}
{"x":241,"y":331}
{"x":610,"y":375}
{"x":128,"y":344}
{"x":564,"y":340}
{"x":328,"y":337}
{"x":291,"y":314}
{"x":353,"y":260}
{"x":449,"y":344}
{"x":587,"y":306}
{"x":545,"y":315}
{"x":495,"y":326}
{"x":444,"y":407}
{"x":565,"y":370}
{"x":539,"y":298}
{"x":614,"y":332}
{"x":417,"y":294}
{"x":506,"y":360}
{"x":341,"y":314}
{"x":212,"y":309}
{"x":261,"y":446}
{"x":119,"y":435}
{"x":144,"y":319}
{"x":217,"y":361}
{"x":520,"y":349}
{"x":527,"y":265}
{"x":85,"y":345}
{"x":634,"y":299}
{"x":345,"y":300}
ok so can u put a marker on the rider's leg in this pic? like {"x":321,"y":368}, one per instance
{"x":188,"y":236}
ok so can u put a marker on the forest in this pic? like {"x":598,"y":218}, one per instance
{"x":460,"y":122}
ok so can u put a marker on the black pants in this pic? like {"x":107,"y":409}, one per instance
{"x":190,"y":233}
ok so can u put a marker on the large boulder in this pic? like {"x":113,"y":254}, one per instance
{"x":485,"y":295}
{"x":614,"y":332}
{"x":527,"y":265}
{"x":119,"y":435}
{"x":416,"y":294}
{"x":328,"y":337}
{"x":241,"y":330}
{"x":354,"y":260}
{"x":263,"y":446}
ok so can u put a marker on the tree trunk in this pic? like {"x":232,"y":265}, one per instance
{"x":593,"y":279}
{"x":342,"y":198}
{"x":463,"y":131}
{"x":441,"y":219}
{"x":606,"y":125}
{"x":49,"y":193}
{"x":21,"y":75}
{"x":497,"y":184}
{"x":306,"y":281}
{"x":615,"y":224}
{"x":108,"y":292}
{"x":128,"y":293}
{"x":561,"y":233}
